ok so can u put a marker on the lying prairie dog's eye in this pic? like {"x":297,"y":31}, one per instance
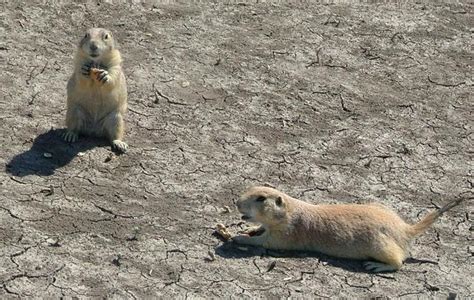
{"x":87,"y":35}
{"x":260,"y":199}
{"x":106,"y":36}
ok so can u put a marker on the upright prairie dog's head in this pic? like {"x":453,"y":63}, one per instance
{"x":96,"y":42}
{"x":263,"y":205}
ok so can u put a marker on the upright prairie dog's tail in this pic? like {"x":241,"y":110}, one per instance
{"x":427,"y":221}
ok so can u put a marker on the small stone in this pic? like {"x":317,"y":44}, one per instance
{"x":185,"y":83}
{"x":452,"y":296}
{"x":116,"y":261}
{"x":109,"y":157}
{"x":52,"y":242}
{"x":211,"y":257}
{"x":81,"y":154}
{"x":271,"y":265}
{"x":47,"y":155}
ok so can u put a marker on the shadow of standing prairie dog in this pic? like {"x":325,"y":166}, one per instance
{"x":97,"y":90}
{"x":369,"y":232}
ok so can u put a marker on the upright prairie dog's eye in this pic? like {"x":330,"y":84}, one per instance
{"x":106,"y":36}
{"x":260,"y":199}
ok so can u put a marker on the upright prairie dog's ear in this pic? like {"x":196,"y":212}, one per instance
{"x":115,"y":45}
{"x":109,"y":38}
{"x":279,"y":201}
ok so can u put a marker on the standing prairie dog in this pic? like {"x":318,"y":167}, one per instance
{"x":97,"y":91}
{"x":356,"y":231}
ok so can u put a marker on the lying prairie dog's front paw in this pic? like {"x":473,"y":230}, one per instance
{"x":241,"y":238}
{"x":253,"y":240}
{"x":253,"y":231}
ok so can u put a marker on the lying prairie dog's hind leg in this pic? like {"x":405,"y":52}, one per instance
{"x":389,"y":259}
{"x":376,"y":267}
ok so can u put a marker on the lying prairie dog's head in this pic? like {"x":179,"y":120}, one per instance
{"x":263,"y":205}
{"x":97,"y":42}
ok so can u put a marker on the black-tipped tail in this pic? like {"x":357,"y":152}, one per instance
{"x":427,"y":221}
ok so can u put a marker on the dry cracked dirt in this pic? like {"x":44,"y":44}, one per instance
{"x":329,"y":103}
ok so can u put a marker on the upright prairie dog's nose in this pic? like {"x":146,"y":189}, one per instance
{"x":93,"y":47}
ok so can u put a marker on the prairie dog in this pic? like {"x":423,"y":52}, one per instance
{"x":97,"y":91}
{"x":369,"y":232}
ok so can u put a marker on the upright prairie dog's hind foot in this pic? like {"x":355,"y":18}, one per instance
{"x":70,"y":136}
{"x":119,"y":146}
{"x":377,"y":267}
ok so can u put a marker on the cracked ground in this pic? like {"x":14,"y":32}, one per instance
{"x":329,"y":103}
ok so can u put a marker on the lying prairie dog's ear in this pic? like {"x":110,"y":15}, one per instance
{"x":279,"y":201}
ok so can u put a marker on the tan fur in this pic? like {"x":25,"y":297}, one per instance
{"x":357,"y":231}
{"x":97,"y":90}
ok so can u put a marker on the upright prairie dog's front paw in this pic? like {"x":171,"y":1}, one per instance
{"x":100,"y":75}
{"x":86,"y":69}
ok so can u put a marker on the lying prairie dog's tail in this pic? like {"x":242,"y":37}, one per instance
{"x":427,"y":221}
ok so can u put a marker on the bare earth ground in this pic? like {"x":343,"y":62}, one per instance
{"x":329,"y":103}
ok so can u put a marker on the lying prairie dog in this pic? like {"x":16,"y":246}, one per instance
{"x":369,"y":232}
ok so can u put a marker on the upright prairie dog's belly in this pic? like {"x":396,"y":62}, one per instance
{"x":96,"y":103}
{"x":94,"y":96}
{"x":98,"y":99}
